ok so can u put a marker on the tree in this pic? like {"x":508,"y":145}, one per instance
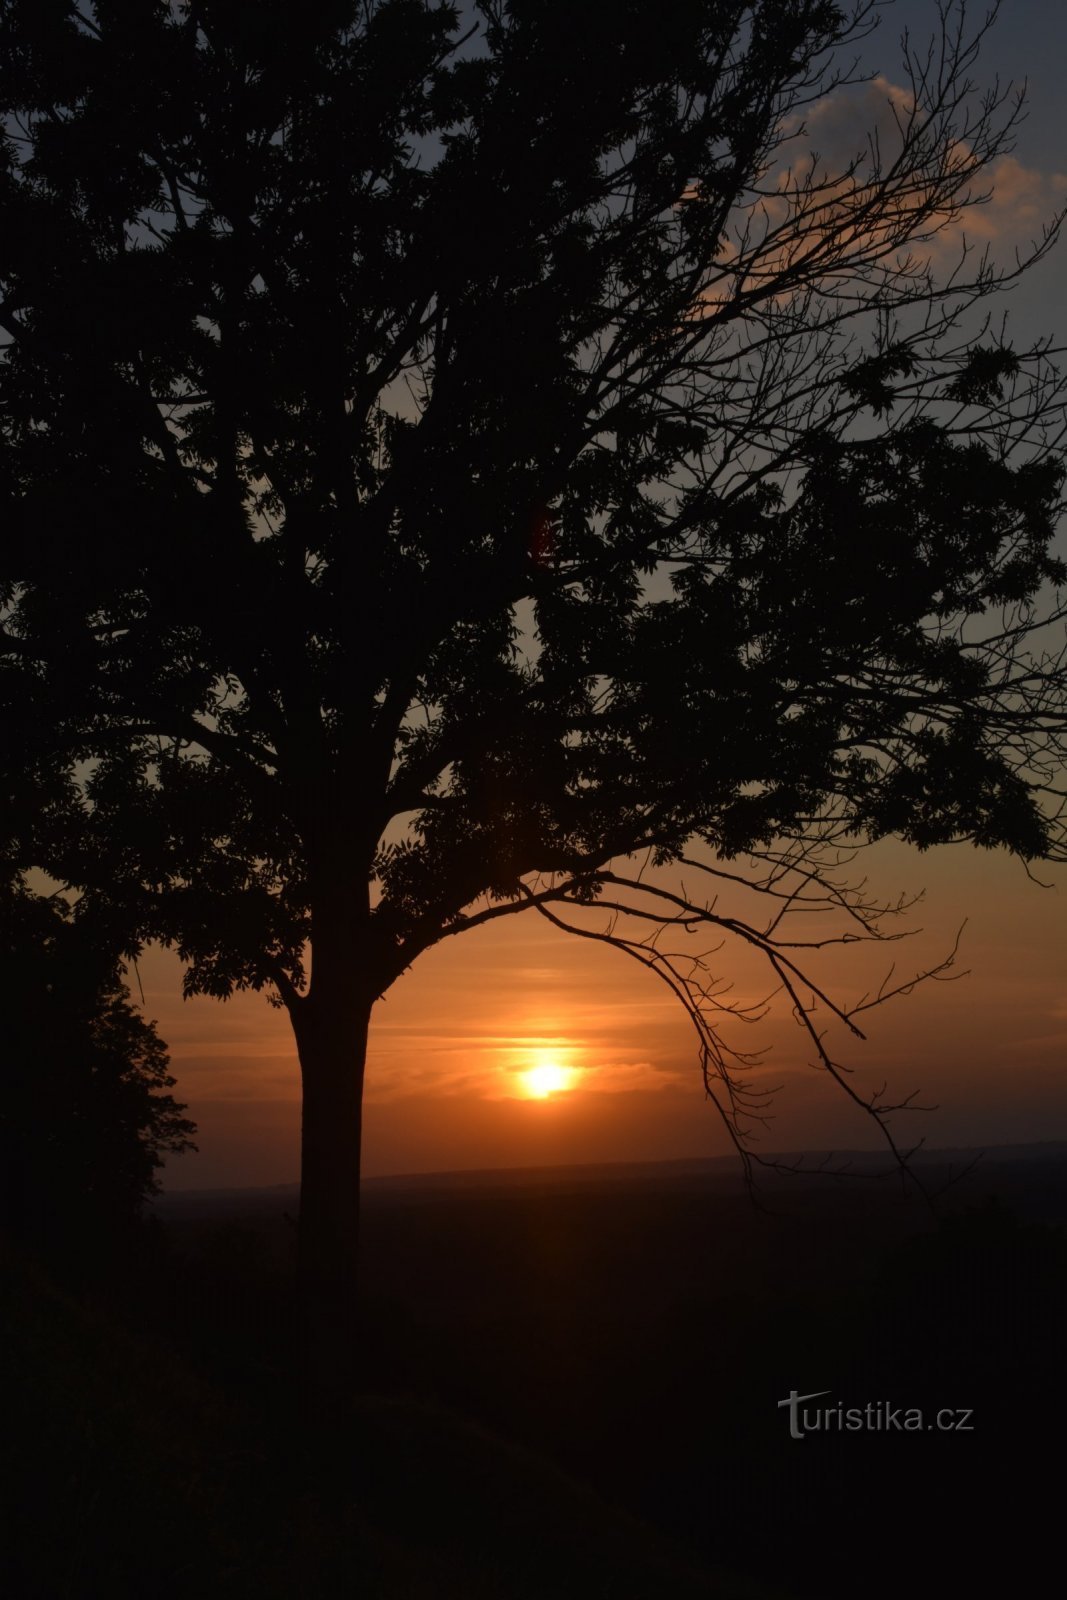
{"x":86,"y":1121}
{"x":450,"y":462}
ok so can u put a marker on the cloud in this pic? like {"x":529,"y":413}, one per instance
{"x":1021,"y":200}
{"x":862,"y":185}
{"x":1022,"y":203}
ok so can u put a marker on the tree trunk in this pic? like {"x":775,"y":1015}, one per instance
{"x":331,"y":1033}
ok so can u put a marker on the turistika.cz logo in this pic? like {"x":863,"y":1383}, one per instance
{"x":877,"y":1416}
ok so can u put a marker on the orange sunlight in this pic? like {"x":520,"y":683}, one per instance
{"x":547,"y":1076}
{"x":546,"y":1079}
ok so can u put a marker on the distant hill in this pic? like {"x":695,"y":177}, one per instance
{"x":721,"y":1173}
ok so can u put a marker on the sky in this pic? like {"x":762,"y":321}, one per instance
{"x":516,"y":1045}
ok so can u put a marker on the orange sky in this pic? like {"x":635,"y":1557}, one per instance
{"x":452,"y":1040}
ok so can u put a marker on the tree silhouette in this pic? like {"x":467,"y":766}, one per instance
{"x":85,"y":1122}
{"x":453,"y":465}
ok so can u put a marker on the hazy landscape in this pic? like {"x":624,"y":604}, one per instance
{"x":574,"y":1386}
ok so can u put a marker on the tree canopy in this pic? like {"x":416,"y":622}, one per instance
{"x":451,"y":458}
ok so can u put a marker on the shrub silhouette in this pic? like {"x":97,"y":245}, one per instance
{"x":87,"y":1119}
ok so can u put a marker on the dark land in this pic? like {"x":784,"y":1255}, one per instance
{"x":572,"y":1387}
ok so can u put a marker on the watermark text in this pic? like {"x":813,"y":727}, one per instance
{"x":877,"y":1416}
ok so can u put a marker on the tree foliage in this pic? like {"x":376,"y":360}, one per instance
{"x":449,"y":461}
{"x":86,"y":1121}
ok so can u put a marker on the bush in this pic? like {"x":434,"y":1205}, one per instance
{"x":86,"y":1118}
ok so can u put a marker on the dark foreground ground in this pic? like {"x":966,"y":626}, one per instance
{"x":572,"y":1387}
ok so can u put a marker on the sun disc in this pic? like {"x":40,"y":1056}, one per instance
{"x":548,"y":1077}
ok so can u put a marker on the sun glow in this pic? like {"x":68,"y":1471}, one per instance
{"x":546,"y":1077}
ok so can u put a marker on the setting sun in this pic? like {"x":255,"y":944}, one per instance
{"x":548,"y":1077}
